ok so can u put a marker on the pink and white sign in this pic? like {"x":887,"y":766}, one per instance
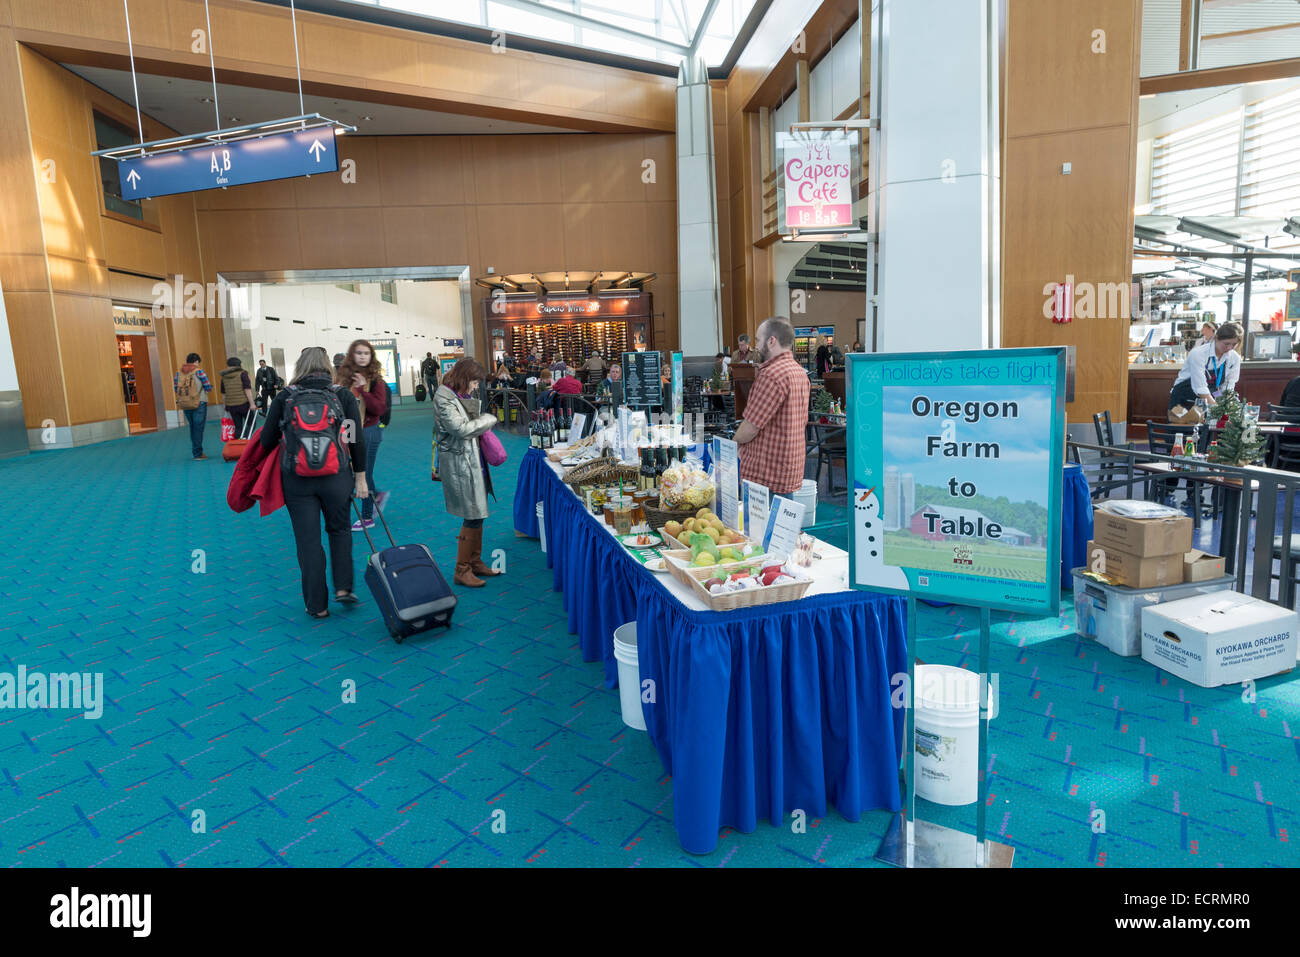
{"x":818,"y":184}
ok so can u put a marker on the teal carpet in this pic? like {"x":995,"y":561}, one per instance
{"x":226,"y":739}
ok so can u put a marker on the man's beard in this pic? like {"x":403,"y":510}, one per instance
{"x":762,"y":356}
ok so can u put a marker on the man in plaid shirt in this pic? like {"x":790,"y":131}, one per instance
{"x":771,"y":438}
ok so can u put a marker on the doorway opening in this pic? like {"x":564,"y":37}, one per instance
{"x":139,"y":368}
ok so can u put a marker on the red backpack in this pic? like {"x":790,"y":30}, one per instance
{"x":313,"y":432}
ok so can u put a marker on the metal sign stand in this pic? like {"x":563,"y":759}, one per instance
{"x":911,"y":842}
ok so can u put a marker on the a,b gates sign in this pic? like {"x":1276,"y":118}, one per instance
{"x":278,"y":156}
{"x":957,"y":461}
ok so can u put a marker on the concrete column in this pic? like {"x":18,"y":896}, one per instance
{"x":935,"y":174}
{"x":699,"y":298}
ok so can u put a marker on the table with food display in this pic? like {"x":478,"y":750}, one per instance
{"x":765,"y":681}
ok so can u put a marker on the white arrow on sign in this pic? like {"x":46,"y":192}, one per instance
{"x":316,"y":149}
{"x":133,"y":177}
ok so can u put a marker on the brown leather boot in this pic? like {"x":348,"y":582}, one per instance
{"x":476,"y":563}
{"x":464,"y":570}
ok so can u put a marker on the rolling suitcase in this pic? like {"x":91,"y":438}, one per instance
{"x":408,"y":587}
{"x":420,"y":393}
{"x":234,"y":448}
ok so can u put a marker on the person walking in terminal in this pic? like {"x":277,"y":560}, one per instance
{"x":429,"y":372}
{"x":771,"y":438}
{"x":236,"y":393}
{"x":266,"y":381}
{"x":1210,"y":369}
{"x":462,"y":470}
{"x":192,"y":388}
{"x":319,"y":479}
{"x":360,"y":371}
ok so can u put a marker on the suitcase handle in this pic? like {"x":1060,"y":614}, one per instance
{"x":365,"y":531}
{"x":250,"y":422}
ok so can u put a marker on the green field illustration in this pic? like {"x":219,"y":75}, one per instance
{"x":1016,"y":562}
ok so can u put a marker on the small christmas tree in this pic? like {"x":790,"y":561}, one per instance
{"x":1240,"y":442}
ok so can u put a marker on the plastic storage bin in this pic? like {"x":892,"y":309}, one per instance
{"x":1112,"y":614}
{"x":807,"y":494}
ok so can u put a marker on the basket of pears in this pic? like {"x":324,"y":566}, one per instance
{"x":702,"y":551}
{"x":704,"y":522}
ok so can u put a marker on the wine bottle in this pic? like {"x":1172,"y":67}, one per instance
{"x":534,"y":435}
{"x":661,"y":466}
{"x":647,"y":475}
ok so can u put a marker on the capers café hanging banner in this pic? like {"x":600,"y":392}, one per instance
{"x":816,"y":189}
{"x":957,"y":462}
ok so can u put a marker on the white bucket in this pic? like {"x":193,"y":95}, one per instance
{"x":541,"y":526}
{"x":629,"y":675}
{"x":807,"y":494}
{"x":947,"y":733}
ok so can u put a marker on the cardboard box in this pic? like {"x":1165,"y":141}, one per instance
{"x":1135,"y":572}
{"x":1220,"y":638}
{"x":1179,"y":415}
{"x":1199,"y":566}
{"x":1112,"y":614}
{"x":1142,"y":537}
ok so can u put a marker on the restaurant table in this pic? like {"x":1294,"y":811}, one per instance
{"x":756,"y":711}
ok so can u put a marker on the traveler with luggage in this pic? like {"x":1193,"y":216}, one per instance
{"x":192,"y":388}
{"x":429,"y":372}
{"x":466,"y":484}
{"x":267,"y":383}
{"x":317,"y":425}
{"x":360,"y":371}
{"x":236,"y":392}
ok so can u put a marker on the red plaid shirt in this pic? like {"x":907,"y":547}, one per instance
{"x":778,"y":408}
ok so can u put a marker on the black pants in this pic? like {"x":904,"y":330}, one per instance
{"x":308,"y":499}
{"x":238,"y":413}
{"x":1182,"y":394}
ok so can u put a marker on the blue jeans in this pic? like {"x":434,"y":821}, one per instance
{"x":197,"y":418}
{"x":374,"y":435}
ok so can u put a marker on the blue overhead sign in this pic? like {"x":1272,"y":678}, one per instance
{"x":278,"y":156}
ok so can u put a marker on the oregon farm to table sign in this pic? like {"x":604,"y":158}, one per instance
{"x":957,"y":465}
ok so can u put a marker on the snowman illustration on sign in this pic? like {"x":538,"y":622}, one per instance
{"x":869,"y":543}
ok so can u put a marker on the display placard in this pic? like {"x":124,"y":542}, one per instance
{"x":578,"y":426}
{"x":957,"y":463}
{"x":1293,"y":295}
{"x":726,"y":480}
{"x":784,"y":522}
{"x":756,"y":498}
{"x":642,"y":386}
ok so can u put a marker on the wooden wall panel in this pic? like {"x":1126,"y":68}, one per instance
{"x":1054,"y":80}
{"x":1065,"y":103}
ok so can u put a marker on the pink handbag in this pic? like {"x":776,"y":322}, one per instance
{"x":494,"y":453}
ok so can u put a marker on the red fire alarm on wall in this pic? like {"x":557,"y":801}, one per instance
{"x":1063,"y":301}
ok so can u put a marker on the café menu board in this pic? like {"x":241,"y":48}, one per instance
{"x":641,"y":380}
{"x":1293,"y":296}
{"x":957,"y":461}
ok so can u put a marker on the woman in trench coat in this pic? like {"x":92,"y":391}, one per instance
{"x":466,"y":482}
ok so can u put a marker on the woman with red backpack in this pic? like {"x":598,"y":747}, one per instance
{"x":360,"y":371}
{"x":322,"y":464}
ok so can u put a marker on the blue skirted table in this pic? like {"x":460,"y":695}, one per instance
{"x":756,"y":711}
{"x":1076,"y":522}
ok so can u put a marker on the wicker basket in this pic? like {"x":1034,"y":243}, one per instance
{"x":771,"y":595}
{"x":659,"y":517}
{"x":602,"y":473}
{"x":682,"y":572}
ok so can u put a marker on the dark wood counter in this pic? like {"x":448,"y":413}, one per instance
{"x":1149,"y":385}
